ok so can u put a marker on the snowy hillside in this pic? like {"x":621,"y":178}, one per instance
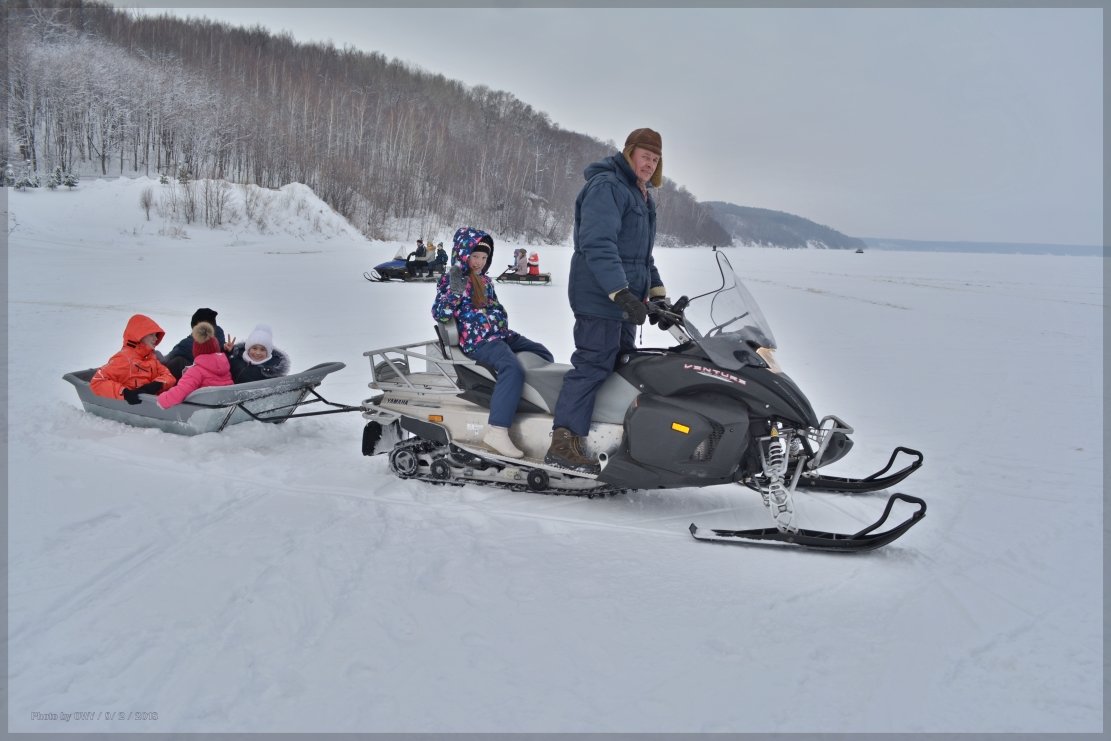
{"x":271,"y":578}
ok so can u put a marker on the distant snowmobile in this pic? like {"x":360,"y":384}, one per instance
{"x":401,"y":268}
{"x":714,"y":409}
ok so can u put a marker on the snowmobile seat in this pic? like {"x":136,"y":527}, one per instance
{"x":448,"y":334}
{"x":543,"y":380}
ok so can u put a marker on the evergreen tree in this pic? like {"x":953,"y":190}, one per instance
{"x":29,"y":178}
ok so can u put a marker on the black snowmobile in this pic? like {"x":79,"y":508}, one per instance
{"x":403,"y":269}
{"x":714,"y":409}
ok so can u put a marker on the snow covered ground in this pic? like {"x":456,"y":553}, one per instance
{"x":271,"y":578}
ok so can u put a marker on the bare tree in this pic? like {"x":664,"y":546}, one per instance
{"x":146,"y":200}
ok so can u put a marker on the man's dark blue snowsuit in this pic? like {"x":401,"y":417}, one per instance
{"x":615,"y":229}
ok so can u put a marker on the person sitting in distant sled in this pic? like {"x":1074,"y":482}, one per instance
{"x":417,"y":259}
{"x":256,"y":358}
{"x":210,"y":367}
{"x":466,"y":295}
{"x":135,"y":369}
{"x":534,"y":263}
{"x":181,"y":356}
{"x":428,"y":263}
{"x":520,"y":262}
{"x":441,"y":259}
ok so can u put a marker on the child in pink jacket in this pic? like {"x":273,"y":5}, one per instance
{"x":210,"y":367}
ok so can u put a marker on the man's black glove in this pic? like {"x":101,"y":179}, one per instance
{"x":635,"y":310}
{"x":131,"y":396}
{"x":659,"y":306}
{"x":455,"y":281}
{"x":154,"y":387}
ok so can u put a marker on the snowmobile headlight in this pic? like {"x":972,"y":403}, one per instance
{"x":768,"y":356}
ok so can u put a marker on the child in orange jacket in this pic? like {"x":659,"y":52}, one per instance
{"x":135,"y":369}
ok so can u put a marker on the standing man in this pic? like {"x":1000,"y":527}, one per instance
{"x":612,"y":275}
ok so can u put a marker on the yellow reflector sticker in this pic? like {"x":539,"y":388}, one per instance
{"x":680,"y":428}
{"x":435,"y":418}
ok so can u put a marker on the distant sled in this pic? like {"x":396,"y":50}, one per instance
{"x":510,"y":276}
{"x":213,"y":408}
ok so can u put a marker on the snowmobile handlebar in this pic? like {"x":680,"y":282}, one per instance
{"x":664,"y":314}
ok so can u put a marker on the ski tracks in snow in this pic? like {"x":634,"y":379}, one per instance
{"x":827,"y":292}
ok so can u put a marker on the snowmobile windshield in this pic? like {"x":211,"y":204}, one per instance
{"x":402,"y":253}
{"x":727,"y":323}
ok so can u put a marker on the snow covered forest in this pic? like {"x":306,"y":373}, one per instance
{"x":396,"y":150}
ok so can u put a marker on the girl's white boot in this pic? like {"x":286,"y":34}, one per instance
{"x":497,"y":438}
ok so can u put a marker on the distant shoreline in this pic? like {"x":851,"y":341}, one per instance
{"x":1020,"y":248}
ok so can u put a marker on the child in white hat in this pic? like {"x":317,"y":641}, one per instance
{"x":256,"y":358}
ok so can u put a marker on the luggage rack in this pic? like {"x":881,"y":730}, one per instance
{"x":390,"y":367}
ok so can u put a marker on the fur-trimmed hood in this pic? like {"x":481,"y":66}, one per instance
{"x":260,"y":335}
{"x":243,"y":369}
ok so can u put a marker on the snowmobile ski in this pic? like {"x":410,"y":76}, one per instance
{"x":875,"y":482}
{"x":865,"y":540}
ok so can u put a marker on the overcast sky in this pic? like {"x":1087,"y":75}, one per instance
{"x":932,"y":124}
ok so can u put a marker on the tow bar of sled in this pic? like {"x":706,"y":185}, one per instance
{"x":875,"y":482}
{"x":865,"y":540}
{"x":276,"y":415}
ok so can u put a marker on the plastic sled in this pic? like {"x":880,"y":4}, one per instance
{"x":212,"y":408}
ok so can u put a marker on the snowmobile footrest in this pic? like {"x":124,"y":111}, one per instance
{"x":875,"y":482}
{"x":865,"y":540}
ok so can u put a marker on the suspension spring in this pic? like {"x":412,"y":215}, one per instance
{"x":777,"y":497}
